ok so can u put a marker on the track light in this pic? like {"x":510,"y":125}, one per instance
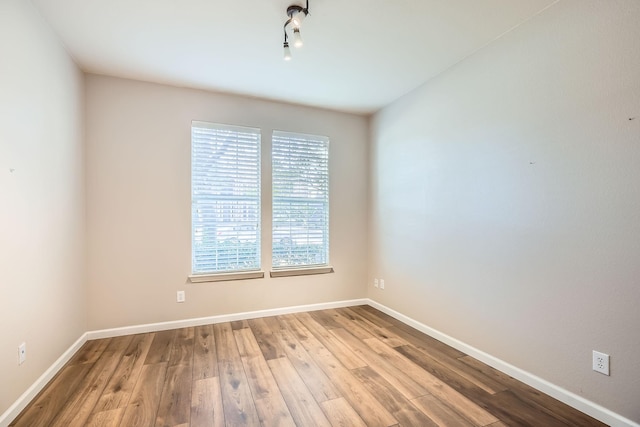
{"x":297,"y":39}
{"x":287,"y":52}
{"x":296,"y":15}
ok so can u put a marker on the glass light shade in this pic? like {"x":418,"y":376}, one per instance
{"x":297,"y":18}
{"x":287,"y":52}
{"x":297,"y":39}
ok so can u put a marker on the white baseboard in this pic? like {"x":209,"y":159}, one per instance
{"x":163,"y":326}
{"x":14,"y":410}
{"x":578,"y":402}
{"x":571,"y":399}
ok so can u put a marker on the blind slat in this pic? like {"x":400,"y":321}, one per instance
{"x":225,"y":195}
{"x":300,"y":235}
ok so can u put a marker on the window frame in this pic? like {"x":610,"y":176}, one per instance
{"x":324,"y":145}
{"x":239,"y":133}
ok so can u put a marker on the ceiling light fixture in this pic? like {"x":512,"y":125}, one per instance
{"x":297,"y":39}
{"x":287,"y":52}
{"x":296,"y":15}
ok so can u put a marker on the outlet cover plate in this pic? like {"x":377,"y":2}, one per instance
{"x":180,"y":297}
{"x":601,"y":362}
{"x":22,"y":353}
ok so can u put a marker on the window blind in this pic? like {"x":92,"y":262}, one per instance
{"x":300,"y":165}
{"x":225,"y":198}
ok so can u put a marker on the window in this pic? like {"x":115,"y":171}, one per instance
{"x":300,"y":200}
{"x":225,"y":198}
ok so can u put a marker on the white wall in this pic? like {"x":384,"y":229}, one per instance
{"x":139,"y":213}
{"x":506,"y":200}
{"x":41,"y":199}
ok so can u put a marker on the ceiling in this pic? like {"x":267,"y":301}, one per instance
{"x":358,"y":55}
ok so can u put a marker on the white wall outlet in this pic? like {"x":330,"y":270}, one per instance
{"x":381,"y":283}
{"x":180,"y":296}
{"x":601,"y":362}
{"x":22,"y":353}
{"x":375,"y":283}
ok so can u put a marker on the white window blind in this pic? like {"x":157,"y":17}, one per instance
{"x":225,"y":198}
{"x":300,"y":200}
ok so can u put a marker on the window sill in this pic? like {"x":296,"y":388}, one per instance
{"x":222,"y":277}
{"x":302,"y":271}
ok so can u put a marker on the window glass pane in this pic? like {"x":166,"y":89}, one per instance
{"x":225,"y":198}
{"x":300,"y":200}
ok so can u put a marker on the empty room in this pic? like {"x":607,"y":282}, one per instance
{"x":322,"y":212}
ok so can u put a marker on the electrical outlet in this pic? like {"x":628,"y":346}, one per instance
{"x":381,"y":283}
{"x":375,"y":283}
{"x":180,"y":297}
{"x":22,"y":353}
{"x":601,"y":362}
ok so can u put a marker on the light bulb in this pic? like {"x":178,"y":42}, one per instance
{"x":297,"y":18}
{"x":297,"y":39}
{"x":287,"y":52}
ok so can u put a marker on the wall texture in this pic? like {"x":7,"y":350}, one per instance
{"x":506,"y":200}
{"x":41,"y":199}
{"x":139,"y":213}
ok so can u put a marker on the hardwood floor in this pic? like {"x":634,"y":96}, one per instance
{"x":344,"y":367}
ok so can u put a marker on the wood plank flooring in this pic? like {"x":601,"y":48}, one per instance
{"x":349,"y":367}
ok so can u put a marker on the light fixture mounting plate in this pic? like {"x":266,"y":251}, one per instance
{"x":294,"y":9}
